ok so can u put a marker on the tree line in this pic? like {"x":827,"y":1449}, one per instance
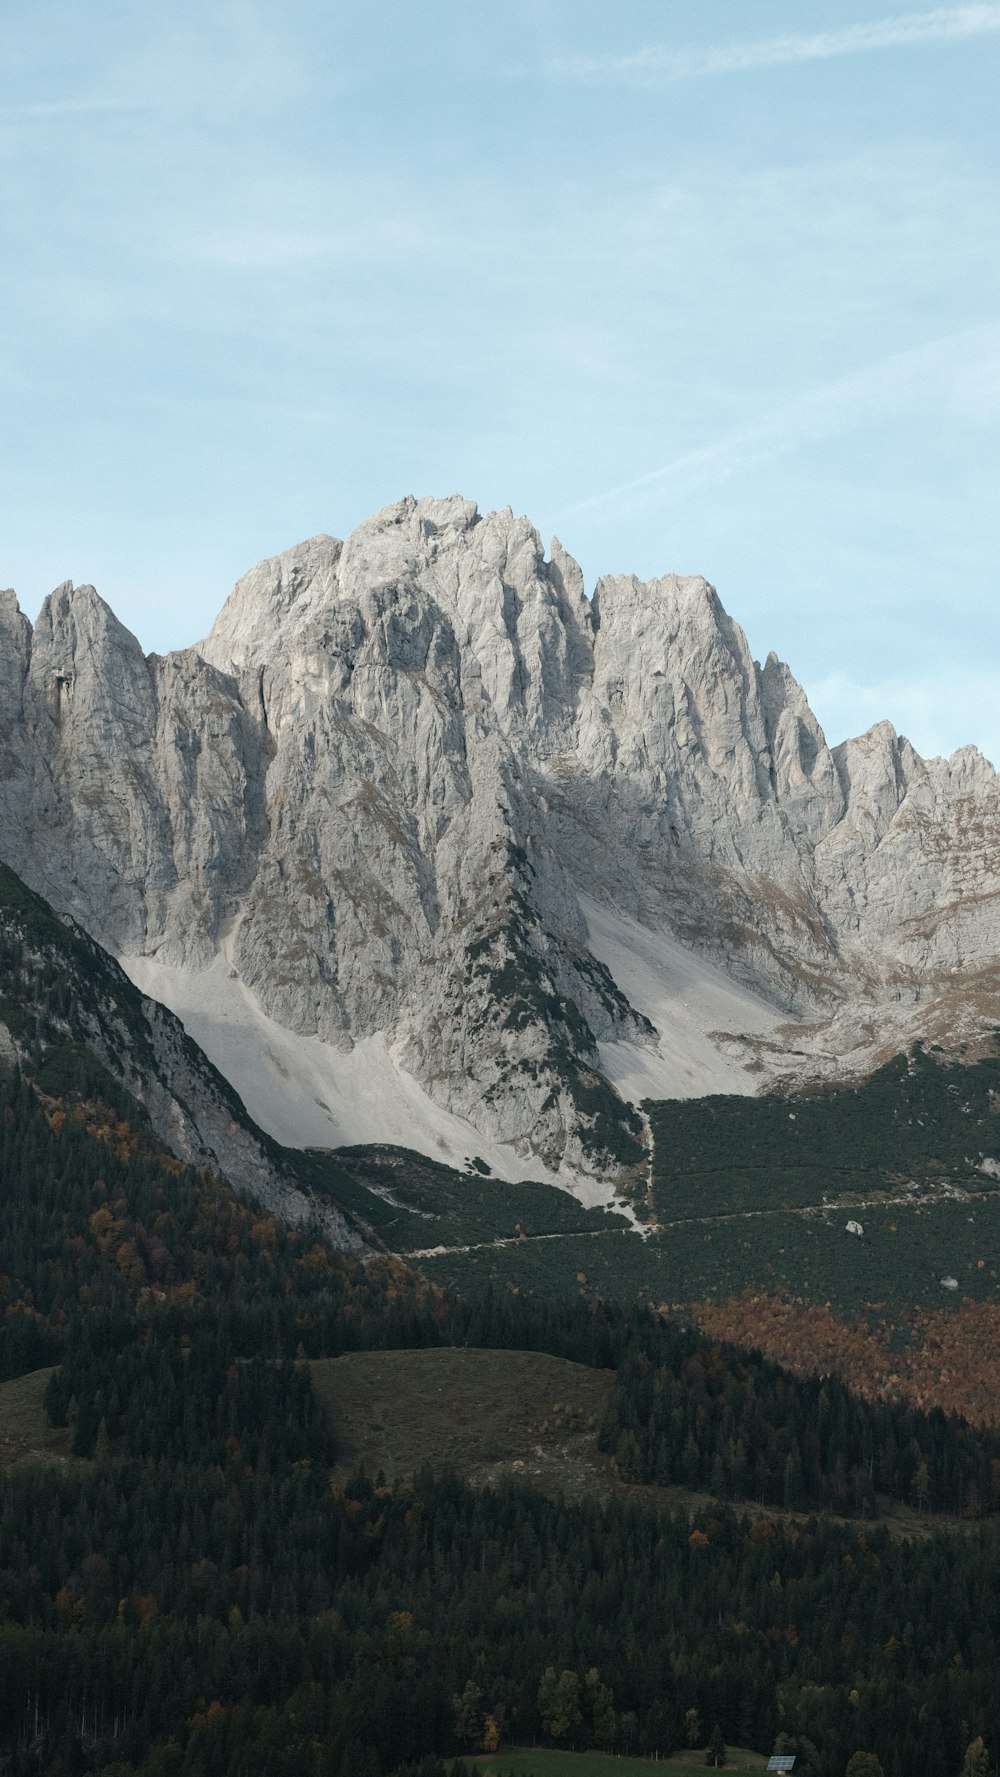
{"x":737,"y":1426}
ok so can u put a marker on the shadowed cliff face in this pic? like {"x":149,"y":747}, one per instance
{"x":384,"y":780}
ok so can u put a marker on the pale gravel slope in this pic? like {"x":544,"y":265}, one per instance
{"x":305,"y":1093}
{"x":699,"y":1014}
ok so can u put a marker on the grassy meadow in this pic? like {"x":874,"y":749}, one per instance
{"x":543,"y":1761}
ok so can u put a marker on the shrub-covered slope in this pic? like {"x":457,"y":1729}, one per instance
{"x":913,"y":1129}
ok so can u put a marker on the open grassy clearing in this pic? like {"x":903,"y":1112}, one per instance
{"x":544,"y":1761}
{"x":496,"y":1416}
{"x":486,"y":1415}
{"x":25,"y":1433}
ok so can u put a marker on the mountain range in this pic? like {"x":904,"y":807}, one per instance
{"x":425,"y":846}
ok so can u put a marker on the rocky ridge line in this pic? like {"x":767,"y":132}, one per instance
{"x":386,"y":777}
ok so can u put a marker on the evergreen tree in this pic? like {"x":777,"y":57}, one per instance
{"x":715,"y":1753}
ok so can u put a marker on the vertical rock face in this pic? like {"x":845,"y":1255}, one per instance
{"x":134,"y":785}
{"x":407,"y":680}
{"x":385,"y":779}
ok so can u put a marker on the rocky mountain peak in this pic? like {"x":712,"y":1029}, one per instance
{"x":968,"y":769}
{"x":87,"y":669}
{"x":251,"y":621}
{"x":805,"y":778}
{"x":389,"y":801}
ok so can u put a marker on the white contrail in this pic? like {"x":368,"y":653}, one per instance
{"x":659,"y":64}
{"x":811,"y":416}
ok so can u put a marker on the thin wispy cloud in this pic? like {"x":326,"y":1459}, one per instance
{"x":811,"y":416}
{"x":661,"y":64}
{"x":46,"y":108}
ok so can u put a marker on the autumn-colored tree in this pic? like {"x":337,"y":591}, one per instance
{"x":469,"y":1715}
{"x":489,"y":1740}
{"x":976,"y":1762}
{"x":864,"y":1764}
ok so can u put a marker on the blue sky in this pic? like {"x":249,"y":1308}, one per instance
{"x":706,"y":288}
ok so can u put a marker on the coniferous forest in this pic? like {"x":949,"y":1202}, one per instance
{"x":192,"y":1592}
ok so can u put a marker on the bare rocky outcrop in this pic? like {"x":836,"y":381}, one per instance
{"x":386,"y":777}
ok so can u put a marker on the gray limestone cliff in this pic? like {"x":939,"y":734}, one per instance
{"x":388,"y":776}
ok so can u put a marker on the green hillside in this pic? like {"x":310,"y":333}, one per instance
{"x":756,"y":1194}
{"x":211,"y":1586}
{"x":543,"y":1761}
{"x":913,"y":1128}
{"x":409,"y":1203}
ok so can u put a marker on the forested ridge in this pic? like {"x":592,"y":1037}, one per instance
{"x":176,"y":1617}
{"x":193,"y":1593}
{"x":110,"y":1243}
{"x":710,"y":1417}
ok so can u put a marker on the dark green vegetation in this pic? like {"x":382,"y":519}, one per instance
{"x":78,"y":1022}
{"x":54,"y":980}
{"x":189,"y":1594}
{"x":542,"y":1761}
{"x":160,"y":1399}
{"x":101,"y":1231}
{"x":738,"y":1428}
{"x":757,"y":1193}
{"x":170,"y":1615}
{"x":899,"y":1262}
{"x":411,"y":1203}
{"x":912,"y":1127}
{"x":112,"y":1239}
